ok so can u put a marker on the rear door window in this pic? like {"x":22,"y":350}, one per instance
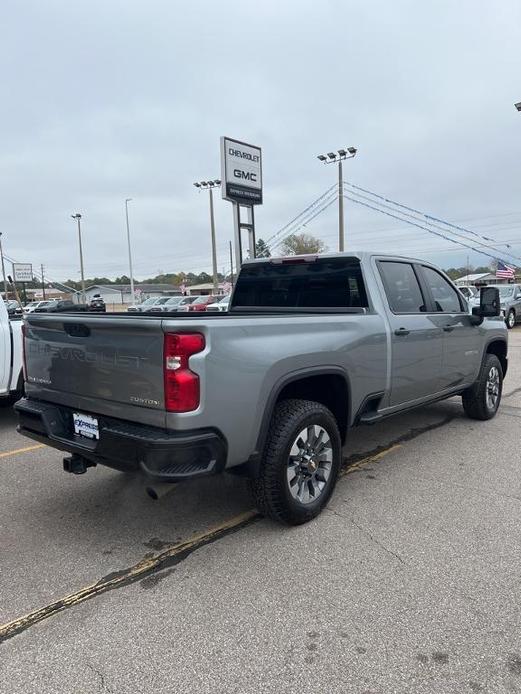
{"x":446,"y":298}
{"x":322,"y":283}
{"x":402,"y":287}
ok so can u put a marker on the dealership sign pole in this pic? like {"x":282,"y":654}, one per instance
{"x":23,"y":272}
{"x":241,"y":174}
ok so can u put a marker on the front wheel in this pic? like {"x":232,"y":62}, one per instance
{"x":301,"y":461}
{"x":511,"y":319}
{"x":481,"y":401}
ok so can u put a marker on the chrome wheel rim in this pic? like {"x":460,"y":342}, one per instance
{"x":511,"y":319}
{"x":492,"y":390}
{"x":309,"y":464}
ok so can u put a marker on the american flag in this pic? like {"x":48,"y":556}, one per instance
{"x":504,"y":272}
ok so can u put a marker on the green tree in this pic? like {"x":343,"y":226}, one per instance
{"x":301,"y":244}
{"x":262,"y":249}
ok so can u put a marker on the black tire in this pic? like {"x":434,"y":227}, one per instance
{"x":510,"y":320}
{"x":271,"y":488}
{"x":475,"y":401}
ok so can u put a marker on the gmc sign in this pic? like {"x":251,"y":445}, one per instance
{"x":241,"y":172}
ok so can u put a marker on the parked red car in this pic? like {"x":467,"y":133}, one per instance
{"x":201,"y":303}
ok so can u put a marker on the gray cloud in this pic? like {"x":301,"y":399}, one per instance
{"x":107,"y":100}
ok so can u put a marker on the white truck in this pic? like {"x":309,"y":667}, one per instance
{"x":11,"y":359}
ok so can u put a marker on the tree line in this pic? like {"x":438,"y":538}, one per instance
{"x":294,"y":244}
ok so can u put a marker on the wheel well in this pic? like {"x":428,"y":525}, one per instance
{"x":329,"y":389}
{"x":499,"y":348}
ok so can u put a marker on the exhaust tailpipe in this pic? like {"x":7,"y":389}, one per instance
{"x":159,"y":489}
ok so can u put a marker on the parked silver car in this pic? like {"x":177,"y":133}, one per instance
{"x":174,"y":303}
{"x":145,"y":306}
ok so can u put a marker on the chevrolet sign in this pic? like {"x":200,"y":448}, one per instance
{"x":241,"y":172}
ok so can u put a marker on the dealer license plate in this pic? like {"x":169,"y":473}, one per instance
{"x":85,"y":425}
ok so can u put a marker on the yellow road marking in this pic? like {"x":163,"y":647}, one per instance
{"x":376,"y":458}
{"x":21,"y":450}
{"x":127,"y":576}
{"x":146,"y":566}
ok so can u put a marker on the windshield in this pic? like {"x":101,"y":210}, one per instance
{"x":202,"y":299}
{"x":504,"y":292}
{"x":225,"y":299}
{"x":174,"y":300}
{"x":149,"y":301}
{"x":162,"y":301}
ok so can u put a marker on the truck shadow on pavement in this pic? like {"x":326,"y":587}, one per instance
{"x":114,"y":508}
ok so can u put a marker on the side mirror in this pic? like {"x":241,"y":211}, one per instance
{"x":489,"y":305}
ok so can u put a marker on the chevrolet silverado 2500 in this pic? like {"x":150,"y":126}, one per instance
{"x":310,"y":347}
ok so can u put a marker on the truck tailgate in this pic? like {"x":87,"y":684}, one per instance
{"x":116,"y":359}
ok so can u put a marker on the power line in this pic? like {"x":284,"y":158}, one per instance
{"x":272,"y":238}
{"x":420,"y":226}
{"x":316,"y":214}
{"x":426,"y":216}
{"x":437,"y":226}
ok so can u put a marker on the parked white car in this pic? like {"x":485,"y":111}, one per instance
{"x":221,"y":305}
{"x":11,"y":375}
{"x":33,"y":305}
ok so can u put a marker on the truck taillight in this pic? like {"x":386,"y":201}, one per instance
{"x":182,"y":391}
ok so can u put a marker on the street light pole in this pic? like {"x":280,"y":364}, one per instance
{"x":3,"y":267}
{"x":210,"y":185}
{"x":332,"y":158}
{"x":133,"y":298}
{"x":340,"y":208}
{"x":77,"y":217}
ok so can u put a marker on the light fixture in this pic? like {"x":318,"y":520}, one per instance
{"x":322,"y":157}
{"x":331,"y":155}
{"x":518,"y":106}
{"x":352,"y":151}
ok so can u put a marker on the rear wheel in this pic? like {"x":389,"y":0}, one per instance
{"x":301,"y":461}
{"x":481,"y":401}
{"x":511,"y":319}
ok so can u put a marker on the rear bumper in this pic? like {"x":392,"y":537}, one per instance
{"x":161,"y":455}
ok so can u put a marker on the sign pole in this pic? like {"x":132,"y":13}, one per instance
{"x":237,"y":236}
{"x":3,"y":266}
{"x":231,"y":264}
{"x":11,"y":279}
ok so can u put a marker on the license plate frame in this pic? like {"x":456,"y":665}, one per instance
{"x":86,"y":426}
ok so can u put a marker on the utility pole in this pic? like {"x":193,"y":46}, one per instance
{"x":3,"y":267}
{"x":333,"y":158}
{"x":340,"y":207}
{"x":77,"y":217}
{"x":231,"y":264}
{"x":210,"y":185}
{"x":133,"y":298}
{"x":43,"y":282}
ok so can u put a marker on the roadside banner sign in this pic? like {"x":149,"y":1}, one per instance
{"x":23,"y":272}
{"x":241,"y":172}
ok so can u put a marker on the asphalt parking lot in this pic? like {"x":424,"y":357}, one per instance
{"x":409,"y":582}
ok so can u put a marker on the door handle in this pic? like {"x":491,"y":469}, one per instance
{"x":402,"y":331}
{"x":448,"y":328}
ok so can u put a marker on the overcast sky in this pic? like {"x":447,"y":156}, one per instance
{"x":103,"y":100}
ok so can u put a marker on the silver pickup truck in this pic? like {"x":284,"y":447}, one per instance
{"x":310,"y":347}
